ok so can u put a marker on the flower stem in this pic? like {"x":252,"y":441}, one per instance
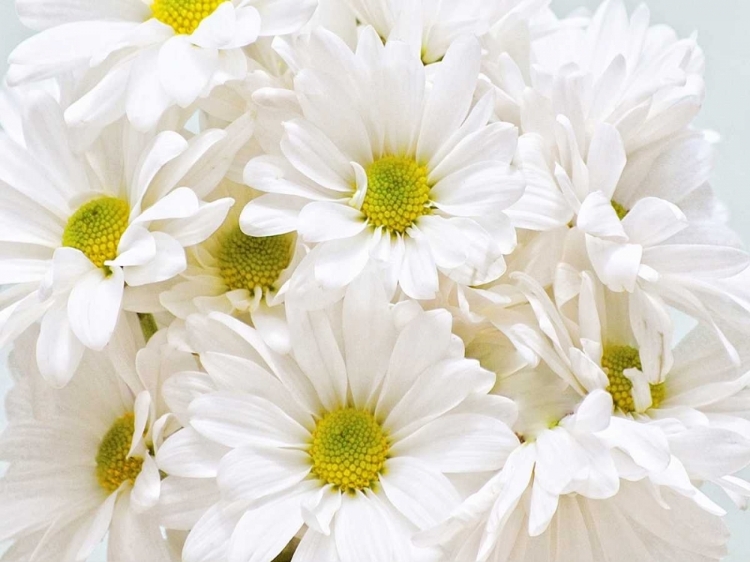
{"x":148,"y":325}
{"x":288,"y":552}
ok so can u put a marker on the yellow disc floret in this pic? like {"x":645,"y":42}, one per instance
{"x":621,"y":211}
{"x":184,"y":16}
{"x":617,"y":359}
{"x":349,"y":449}
{"x":96,"y":228}
{"x":113,"y":466}
{"x":247,"y":262}
{"x":397,"y":193}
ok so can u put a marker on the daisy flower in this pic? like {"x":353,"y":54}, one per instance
{"x":383,"y":168}
{"x":81,"y":459}
{"x":141,"y":57}
{"x":431,"y":26}
{"x":85,"y":235}
{"x":234,"y":273}
{"x":694,"y":397}
{"x":350,"y":443}
{"x":639,"y":523}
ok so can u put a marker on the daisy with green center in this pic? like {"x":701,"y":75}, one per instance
{"x":81,"y":468}
{"x":142,"y":57}
{"x":238,"y":274}
{"x":84,"y":236}
{"x":386,"y":167}
{"x":351,"y":443}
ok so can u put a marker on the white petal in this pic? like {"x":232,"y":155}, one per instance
{"x":147,"y":487}
{"x":169,"y":261}
{"x":653,"y":220}
{"x":94,"y":307}
{"x":606,"y":159}
{"x":252,"y":473}
{"x":186,"y":69}
{"x":450,"y":97}
{"x":189,"y":455}
{"x":263,"y":532}
{"x":58,"y":350}
{"x":323,"y":221}
{"x":272,"y":214}
{"x":598,"y":218}
{"x":422,"y":494}
{"x":338,"y":262}
{"x":418,"y":277}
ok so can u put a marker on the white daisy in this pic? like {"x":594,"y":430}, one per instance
{"x":641,"y":523}
{"x":692,"y":406}
{"x":431,"y":26}
{"x":234,"y":273}
{"x":642,"y":79}
{"x":84,"y":236}
{"x":81,"y":460}
{"x":140,"y":57}
{"x":616,"y":181}
{"x":384,"y":168}
{"x":354,"y":438}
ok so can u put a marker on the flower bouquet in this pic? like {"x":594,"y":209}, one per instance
{"x":365,"y":281}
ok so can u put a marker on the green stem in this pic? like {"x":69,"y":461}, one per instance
{"x":148,"y":325}
{"x":287,"y":554}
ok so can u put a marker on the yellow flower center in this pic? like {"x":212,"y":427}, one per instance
{"x":184,"y":16}
{"x":113,"y":466}
{"x":247,"y":262}
{"x":96,"y":228}
{"x":617,"y":359}
{"x":621,"y":211}
{"x":349,"y":449}
{"x":397,"y":193}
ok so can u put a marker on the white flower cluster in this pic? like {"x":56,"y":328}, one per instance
{"x":365,"y":281}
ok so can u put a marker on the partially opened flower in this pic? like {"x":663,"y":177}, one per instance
{"x":86,"y":235}
{"x":384,"y":167}
{"x":350,"y":443}
{"x":81,"y":460}
{"x":234,"y":273}
{"x":142,"y":57}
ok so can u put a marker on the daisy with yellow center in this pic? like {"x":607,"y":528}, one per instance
{"x":238,"y":274}
{"x":175,"y":52}
{"x":415,"y":188}
{"x":339,"y":441}
{"x":92,"y":239}
{"x":95,"y":440}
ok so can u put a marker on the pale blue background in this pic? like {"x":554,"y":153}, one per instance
{"x":722,"y":27}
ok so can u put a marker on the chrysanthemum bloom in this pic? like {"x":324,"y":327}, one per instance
{"x":141,"y":57}
{"x":385,"y":167}
{"x":81,"y":460}
{"x":431,"y":26}
{"x":608,"y":155}
{"x":351,"y":442}
{"x":693,"y":400}
{"x":576,"y":474}
{"x":85,"y":235}
{"x":234,"y":273}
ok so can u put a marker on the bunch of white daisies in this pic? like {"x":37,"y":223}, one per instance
{"x":365,"y":281}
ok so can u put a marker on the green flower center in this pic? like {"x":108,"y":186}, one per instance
{"x":96,"y":228}
{"x":617,"y":359}
{"x":397,"y":193}
{"x":247,"y":262}
{"x":349,"y":449}
{"x":621,"y":211}
{"x":113,"y":466}
{"x":184,"y":16}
